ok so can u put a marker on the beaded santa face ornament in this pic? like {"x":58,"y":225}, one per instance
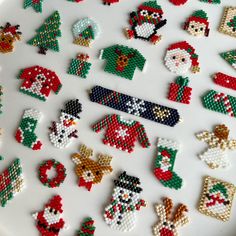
{"x":120,"y":214}
{"x":167,"y":226}
{"x":181,"y":57}
{"x":49,"y":221}
{"x":217,"y":198}
{"x":218,"y":143}
{"x":90,"y":171}
{"x":8,"y":35}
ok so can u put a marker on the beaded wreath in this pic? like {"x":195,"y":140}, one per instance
{"x":45,"y":166}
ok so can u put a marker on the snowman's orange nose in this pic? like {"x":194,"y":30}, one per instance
{"x":125,"y":196}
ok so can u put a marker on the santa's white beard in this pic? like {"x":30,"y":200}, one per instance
{"x":50,"y":217}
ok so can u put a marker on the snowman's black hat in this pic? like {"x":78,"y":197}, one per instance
{"x":128,"y":182}
{"x":73,"y":107}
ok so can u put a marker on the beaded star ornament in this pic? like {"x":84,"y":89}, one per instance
{"x":218,"y":142}
{"x":216,"y":198}
{"x":168,"y":225}
{"x":11,"y":182}
{"x":228,"y":22}
{"x":89,"y":171}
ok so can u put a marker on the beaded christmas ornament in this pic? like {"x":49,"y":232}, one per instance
{"x":80,"y":66}
{"x":77,"y":1}
{"x":181,"y":57}
{"x":168,"y":225}
{"x":224,"y":80}
{"x":1,"y":95}
{"x":60,"y":170}
{"x":197,"y":24}
{"x":38,"y":82}
{"x":145,"y":22}
{"x":11,"y":182}
{"x":218,"y":143}
{"x":109,"y":2}
{"x":49,"y":221}
{"x":85,"y":31}
{"x":164,"y":163}
{"x":121,"y":133}
{"x":25,"y":133}
{"x":216,"y":198}
{"x":62,"y":132}
{"x":90,"y":171}
{"x":220,"y":102}
{"x":211,"y":1}
{"x":8,"y":35}
{"x":35,"y":4}
{"x":179,"y":91}
{"x":228,"y":22}
{"x":120,"y":214}
{"x":122,"y":60}
{"x":230,"y":57}
{"x":87,"y":227}
{"x":178,"y":2}
{"x":135,"y":106}
{"x":47,"y":34}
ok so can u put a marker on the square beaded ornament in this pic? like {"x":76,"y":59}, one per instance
{"x":228,"y":22}
{"x":217,"y":198}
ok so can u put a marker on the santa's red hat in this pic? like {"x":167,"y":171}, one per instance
{"x":55,"y":203}
{"x":190,"y":50}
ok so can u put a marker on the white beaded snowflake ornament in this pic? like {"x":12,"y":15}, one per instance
{"x":218,"y":143}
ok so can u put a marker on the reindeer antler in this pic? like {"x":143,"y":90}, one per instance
{"x":118,"y":51}
{"x":85,"y":151}
{"x":179,"y":214}
{"x":104,"y":160}
{"x":168,"y":206}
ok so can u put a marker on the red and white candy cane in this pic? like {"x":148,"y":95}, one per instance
{"x":221,"y":97}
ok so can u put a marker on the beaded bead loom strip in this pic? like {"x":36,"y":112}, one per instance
{"x":135,"y":106}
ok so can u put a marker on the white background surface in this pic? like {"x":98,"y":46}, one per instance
{"x":151,"y":85}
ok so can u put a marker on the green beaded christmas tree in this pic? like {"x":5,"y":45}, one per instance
{"x":87,"y":228}
{"x":46,"y":37}
{"x":36,"y":4}
{"x":232,"y":24}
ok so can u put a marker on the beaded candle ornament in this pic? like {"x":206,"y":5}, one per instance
{"x":87,"y":227}
{"x":135,"y":106}
{"x":220,"y":102}
{"x":145,"y":22}
{"x":181,"y":57}
{"x":56,"y":181}
{"x":179,"y":91}
{"x":25,"y":133}
{"x":218,"y":142}
{"x":85,"y":31}
{"x":228,"y":22}
{"x":216,"y":198}
{"x":122,"y":60}
{"x":47,"y":34}
{"x":11,"y":182}
{"x":120,"y":214}
{"x":197,"y":24}
{"x":80,"y":66}
{"x":62,"y":132}
{"x":8,"y":35}
{"x":38,"y":82}
{"x":164,"y":164}
{"x":224,"y":80}
{"x":49,"y":221}
{"x":122,"y":133}
{"x":168,"y":225}
{"x":90,"y":171}
{"x":230,"y":57}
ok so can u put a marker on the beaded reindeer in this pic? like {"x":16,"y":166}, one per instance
{"x":122,"y":60}
{"x":8,"y":35}
{"x":168,"y":226}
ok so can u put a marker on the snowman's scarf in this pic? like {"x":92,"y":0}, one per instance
{"x":116,"y":206}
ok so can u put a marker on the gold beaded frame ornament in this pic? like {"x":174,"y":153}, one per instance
{"x":228,"y":22}
{"x":217,"y":198}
